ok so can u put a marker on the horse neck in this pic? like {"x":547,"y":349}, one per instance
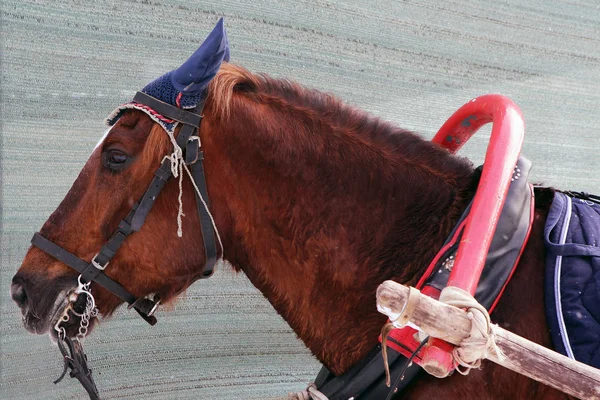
{"x":319,"y":213}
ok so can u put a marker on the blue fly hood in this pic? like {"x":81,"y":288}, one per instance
{"x":184,"y":87}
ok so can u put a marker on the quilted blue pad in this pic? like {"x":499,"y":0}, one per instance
{"x":572,"y":236}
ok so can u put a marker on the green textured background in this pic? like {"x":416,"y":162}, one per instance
{"x":67,"y":64}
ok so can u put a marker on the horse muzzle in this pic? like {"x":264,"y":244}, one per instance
{"x":42,"y":304}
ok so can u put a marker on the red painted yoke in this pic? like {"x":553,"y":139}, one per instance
{"x":500,"y":159}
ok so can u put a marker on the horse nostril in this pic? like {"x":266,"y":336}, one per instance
{"x":18,"y":294}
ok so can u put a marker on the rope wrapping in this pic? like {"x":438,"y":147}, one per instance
{"x":481,"y":340}
{"x":310,"y":393}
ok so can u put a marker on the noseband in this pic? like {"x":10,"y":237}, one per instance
{"x":189,"y":141}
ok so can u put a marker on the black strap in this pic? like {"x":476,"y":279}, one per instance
{"x":75,"y":359}
{"x":208,"y":233}
{"x":161,"y":176}
{"x":80,"y":266}
{"x":184,"y":116}
{"x":110,"y":248}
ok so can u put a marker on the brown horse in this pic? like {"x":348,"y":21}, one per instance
{"x":315,"y":201}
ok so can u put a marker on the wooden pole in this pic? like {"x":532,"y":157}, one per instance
{"x":523,"y":356}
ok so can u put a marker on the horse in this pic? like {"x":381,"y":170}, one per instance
{"x":315,"y":201}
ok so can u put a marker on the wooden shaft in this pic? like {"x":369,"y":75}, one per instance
{"x":523,"y":356}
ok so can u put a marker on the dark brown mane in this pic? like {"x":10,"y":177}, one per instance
{"x":388,"y":147}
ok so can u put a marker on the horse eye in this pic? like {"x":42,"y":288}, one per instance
{"x":115,"y":160}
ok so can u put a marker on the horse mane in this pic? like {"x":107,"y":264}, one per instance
{"x":339,"y":153}
{"x":386,"y":142}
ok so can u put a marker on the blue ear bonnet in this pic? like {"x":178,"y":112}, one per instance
{"x":184,"y":87}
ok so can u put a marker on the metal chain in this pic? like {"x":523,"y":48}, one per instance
{"x":90,"y":310}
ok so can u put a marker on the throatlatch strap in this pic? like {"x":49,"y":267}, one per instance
{"x":210,"y":247}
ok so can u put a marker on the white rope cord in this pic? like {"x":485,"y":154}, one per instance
{"x":177,"y":167}
{"x":310,"y":393}
{"x":176,"y":159}
{"x":481,"y":341}
{"x":180,"y":213}
{"x":212,"y":220}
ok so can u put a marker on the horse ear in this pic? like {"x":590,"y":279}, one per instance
{"x":195,"y":74}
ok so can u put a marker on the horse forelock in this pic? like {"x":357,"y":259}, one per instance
{"x":157,"y":146}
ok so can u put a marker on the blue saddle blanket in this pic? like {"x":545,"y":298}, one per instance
{"x":572,"y":235}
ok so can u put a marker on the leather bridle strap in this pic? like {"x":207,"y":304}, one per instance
{"x":210,"y":247}
{"x":194,"y":157}
{"x":94,"y":270}
{"x":81,"y":266}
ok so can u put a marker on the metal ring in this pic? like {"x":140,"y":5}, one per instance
{"x":191,"y":139}
{"x":154,"y":308}
{"x":61,"y":333}
{"x":195,"y":137}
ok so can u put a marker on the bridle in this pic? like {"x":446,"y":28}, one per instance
{"x":188,"y":141}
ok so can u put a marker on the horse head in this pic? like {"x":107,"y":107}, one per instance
{"x":120,"y":169}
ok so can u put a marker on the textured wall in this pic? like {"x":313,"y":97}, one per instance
{"x":66,"y":64}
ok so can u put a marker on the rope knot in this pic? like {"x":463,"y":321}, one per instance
{"x":310,"y":393}
{"x":481,"y":340}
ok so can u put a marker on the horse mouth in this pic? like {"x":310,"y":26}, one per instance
{"x":67,"y":319}
{"x":66,"y":303}
{"x":38,"y":323}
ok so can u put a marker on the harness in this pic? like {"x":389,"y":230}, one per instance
{"x":366,"y":379}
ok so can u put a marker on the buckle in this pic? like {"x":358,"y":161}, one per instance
{"x":156,"y":304}
{"x":192,"y":150}
{"x":97,"y":264}
{"x":142,"y":303}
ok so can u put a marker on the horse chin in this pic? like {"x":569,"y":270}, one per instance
{"x":64,"y":300}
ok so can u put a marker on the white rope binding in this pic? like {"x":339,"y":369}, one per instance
{"x":177,"y":167}
{"x":481,"y":341}
{"x":176,"y":159}
{"x":310,"y":393}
